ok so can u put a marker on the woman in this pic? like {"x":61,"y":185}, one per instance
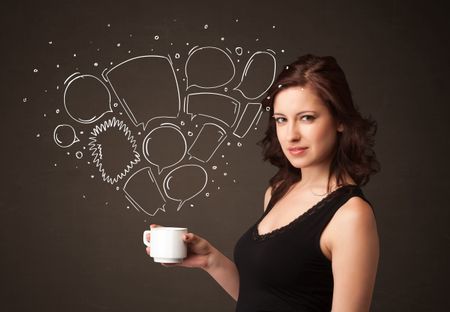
{"x":315,"y":247}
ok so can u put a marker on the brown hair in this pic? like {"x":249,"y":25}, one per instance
{"x":354,"y":155}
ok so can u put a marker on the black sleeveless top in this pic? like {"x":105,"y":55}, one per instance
{"x":285,"y":270}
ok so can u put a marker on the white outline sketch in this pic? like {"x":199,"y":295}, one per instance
{"x":95,"y":118}
{"x":219,"y":142}
{"x":247,"y":67}
{"x":97,"y":149}
{"x":242,"y":117}
{"x":237,"y":107}
{"x":166,"y":185}
{"x":146,"y":152}
{"x":134,"y":202}
{"x":191,"y":53}
{"x":124,"y":103}
{"x":59,"y":142}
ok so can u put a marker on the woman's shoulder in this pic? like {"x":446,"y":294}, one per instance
{"x":355,"y":213}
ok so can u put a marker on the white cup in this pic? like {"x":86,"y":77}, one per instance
{"x":166,"y":244}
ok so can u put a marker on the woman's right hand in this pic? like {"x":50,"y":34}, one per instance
{"x":199,"y":251}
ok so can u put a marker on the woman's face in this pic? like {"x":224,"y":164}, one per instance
{"x":306,"y":130}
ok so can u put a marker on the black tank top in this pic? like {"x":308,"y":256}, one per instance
{"x":285,"y":270}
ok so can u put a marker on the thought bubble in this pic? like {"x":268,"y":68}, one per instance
{"x":86,"y":98}
{"x":213,"y":105}
{"x":143,"y":192}
{"x":164,"y":146}
{"x":258,"y":75}
{"x":65,"y":135}
{"x":141,"y":84}
{"x":219,"y":68}
{"x":207,"y":142}
{"x":248,"y":117}
{"x":184,"y":183}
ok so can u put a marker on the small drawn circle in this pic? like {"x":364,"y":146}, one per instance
{"x":79,"y":154}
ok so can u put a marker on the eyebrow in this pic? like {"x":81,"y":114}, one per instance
{"x":299,"y":113}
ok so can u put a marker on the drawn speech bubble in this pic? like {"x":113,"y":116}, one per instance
{"x":184,"y":183}
{"x":165,"y":146}
{"x":147,"y":88}
{"x":143,"y":192}
{"x":219,"y":65}
{"x":258,"y":75}
{"x":86,"y":98}
{"x":65,"y":136}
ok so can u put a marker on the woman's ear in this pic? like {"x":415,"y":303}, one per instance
{"x":340,"y":127}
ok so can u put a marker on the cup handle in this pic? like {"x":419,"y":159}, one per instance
{"x":144,"y":238}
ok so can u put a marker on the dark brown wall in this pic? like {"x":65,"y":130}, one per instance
{"x":61,"y":251}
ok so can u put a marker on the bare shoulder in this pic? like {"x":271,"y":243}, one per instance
{"x":355,"y":210}
{"x":267,"y":197}
{"x":354,"y":220}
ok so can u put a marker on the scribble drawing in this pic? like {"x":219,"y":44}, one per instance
{"x":258,"y":75}
{"x":207,"y":142}
{"x":249,"y":115}
{"x":143,"y":192}
{"x":86,"y":98}
{"x":65,"y":136}
{"x":217,"y":106}
{"x":164,"y":146}
{"x":114,"y":150}
{"x":184,"y":183}
{"x":146,"y":87}
{"x":220,"y":68}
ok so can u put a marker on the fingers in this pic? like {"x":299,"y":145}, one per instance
{"x":191,"y":238}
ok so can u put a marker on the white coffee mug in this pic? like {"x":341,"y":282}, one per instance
{"x":166,"y":244}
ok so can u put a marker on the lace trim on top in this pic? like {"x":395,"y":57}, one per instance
{"x":261,"y":237}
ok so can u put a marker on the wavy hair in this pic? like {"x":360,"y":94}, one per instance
{"x":354,"y":155}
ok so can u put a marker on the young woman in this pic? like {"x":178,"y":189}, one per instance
{"x":315,"y":247}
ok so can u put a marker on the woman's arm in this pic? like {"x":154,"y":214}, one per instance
{"x":354,"y":250}
{"x":203,"y":255}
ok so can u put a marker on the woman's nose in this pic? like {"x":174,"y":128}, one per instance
{"x":293,"y":132}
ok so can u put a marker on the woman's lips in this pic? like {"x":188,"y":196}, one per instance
{"x":297,"y":150}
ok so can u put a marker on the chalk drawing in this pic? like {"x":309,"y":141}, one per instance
{"x":217,"y":106}
{"x":248,"y":117}
{"x":86,"y":98}
{"x":143,"y":192}
{"x":65,"y":136}
{"x":207,"y":142}
{"x":177,"y":136}
{"x":164,"y":146}
{"x":184,"y":183}
{"x":258,"y":75}
{"x":114,"y":150}
{"x":139,"y":81}
{"x":220,"y":68}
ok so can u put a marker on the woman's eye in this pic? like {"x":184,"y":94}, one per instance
{"x":279,"y":119}
{"x":308,"y":118}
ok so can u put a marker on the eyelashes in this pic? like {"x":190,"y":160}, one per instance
{"x":306,"y":118}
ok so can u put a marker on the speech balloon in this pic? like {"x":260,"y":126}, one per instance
{"x":143,"y":192}
{"x":86,"y":98}
{"x":184,"y":183}
{"x":213,"y":105}
{"x":219,"y":65}
{"x":65,"y":136}
{"x":258,"y":75}
{"x":147,"y":88}
{"x":165,"y":146}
